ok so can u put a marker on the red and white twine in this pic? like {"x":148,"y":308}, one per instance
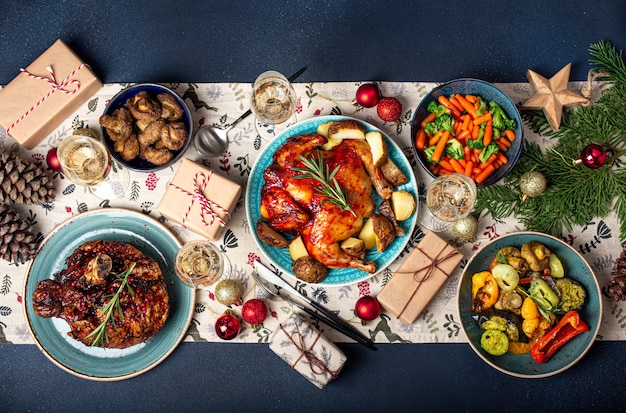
{"x":54,"y":87}
{"x":207,"y":206}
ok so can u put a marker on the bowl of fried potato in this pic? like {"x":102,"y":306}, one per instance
{"x":146,"y":127}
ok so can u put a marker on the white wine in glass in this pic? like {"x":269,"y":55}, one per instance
{"x":449,"y":198}
{"x":87,"y":162}
{"x":273,"y":101}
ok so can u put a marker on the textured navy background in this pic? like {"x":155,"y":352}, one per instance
{"x":233,"y":41}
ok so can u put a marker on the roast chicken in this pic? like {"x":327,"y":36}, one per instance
{"x":296,"y":206}
{"x":90,"y":280}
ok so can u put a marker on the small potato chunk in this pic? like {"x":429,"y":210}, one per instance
{"x":346,"y":129}
{"x":392,"y":173}
{"x":331,"y":143}
{"x":269,"y":236}
{"x":353,"y":246}
{"x":297,"y":249}
{"x":378,"y":147}
{"x":309,"y":269}
{"x":403,"y":205}
{"x":322,"y":129}
{"x":384,"y":232}
{"x":385,"y":210}
{"x":367,"y":234}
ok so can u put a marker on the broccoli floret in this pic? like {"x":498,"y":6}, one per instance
{"x":428,"y":153}
{"x":437,"y":108}
{"x":475,"y":143}
{"x":500,"y":119}
{"x":443,"y":122}
{"x":482,"y":107}
{"x":488,"y":151}
{"x":454,"y":148}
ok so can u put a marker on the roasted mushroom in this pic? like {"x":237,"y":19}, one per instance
{"x":269,"y":236}
{"x":537,"y":255}
{"x":309,"y":269}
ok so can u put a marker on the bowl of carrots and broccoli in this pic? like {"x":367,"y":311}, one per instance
{"x":467,"y":126}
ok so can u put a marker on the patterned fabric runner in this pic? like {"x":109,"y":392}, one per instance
{"x":220,"y":104}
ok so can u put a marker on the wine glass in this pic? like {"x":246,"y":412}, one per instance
{"x":200,"y":264}
{"x":449,"y":198}
{"x":87,"y":162}
{"x":273,"y":102}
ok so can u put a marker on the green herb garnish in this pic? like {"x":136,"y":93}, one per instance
{"x":316,"y":169}
{"x":99,"y":334}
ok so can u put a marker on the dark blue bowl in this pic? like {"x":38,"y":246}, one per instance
{"x":489,"y":93}
{"x":119,"y":100}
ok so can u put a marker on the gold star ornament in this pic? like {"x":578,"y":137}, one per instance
{"x":551,"y":95}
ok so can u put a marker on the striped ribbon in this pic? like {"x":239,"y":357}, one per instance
{"x":207,"y":206}
{"x":54,"y":87}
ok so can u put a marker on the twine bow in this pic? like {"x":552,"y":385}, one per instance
{"x":316,"y":365}
{"x":430,"y":268}
{"x":54,"y":86}
{"x":207,"y":206}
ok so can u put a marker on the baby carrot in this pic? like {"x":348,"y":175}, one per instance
{"x":501,"y":144}
{"x":445,"y":165}
{"x":456,"y":103}
{"x":429,"y":118}
{"x":466,"y":122}
{"x":510,"y":134}
{"x":435,"y":138}
{"x":502,"y":158}
{"x":441,"y":145}
{"x":469,"y":166}
{"x":420,"y":139}
{"x":457,"y":166}
{"x":484,"y":118}
{"x":488,"y":133}
{"x":453,"y":110}
{"x":490,"y":160}
{"x":484,"y":174}
{"x":505,"y":142}
{"x":469,"y":108}
{"x":471,"y":98}
{"x":467,"y":153}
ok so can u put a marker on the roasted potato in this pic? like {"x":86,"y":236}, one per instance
{"x":269,"y":236}
{"x":378,"y":147}
{"x":297,"y":249}
{"x":393,"y":174}
{"x":353,"y":246}
{"x":385,"y":210}
{"x":367,"y":234}
{"x":384,"y":232}
{"x":403,"y":204}
{"x":346,"y":129}
{"x":309,"y":269}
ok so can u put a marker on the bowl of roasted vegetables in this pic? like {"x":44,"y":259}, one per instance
{"x":529,"y":304}
{"x":467,"y":126}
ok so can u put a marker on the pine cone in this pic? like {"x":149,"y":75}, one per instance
{"x":17,"y":242}
{"x":23,"y":182}
{"x":616,"y":288}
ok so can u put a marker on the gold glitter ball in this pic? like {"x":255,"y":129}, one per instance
{"x":466,"y":228}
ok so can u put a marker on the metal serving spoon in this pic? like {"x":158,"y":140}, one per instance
{"x":212,"y":141}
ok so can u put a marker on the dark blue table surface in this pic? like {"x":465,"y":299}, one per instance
{"x":233,"y":41}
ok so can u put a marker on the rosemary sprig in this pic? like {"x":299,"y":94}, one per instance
{"x":99,"y":334}
{"x":316,"y":169}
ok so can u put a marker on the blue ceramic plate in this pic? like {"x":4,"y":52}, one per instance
{"x":119,"y":100}
{"x":50,"y":334}
{"x":575,"y":267}
{"x":280,"y":257}
{"x":489,"y":93}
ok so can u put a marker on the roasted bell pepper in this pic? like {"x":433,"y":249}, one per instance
{"x":568,"y":327}
{"x":485,"y":291}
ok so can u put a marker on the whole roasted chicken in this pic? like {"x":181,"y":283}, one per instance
{"x":80,"y":293}
{"x":296,"y":205}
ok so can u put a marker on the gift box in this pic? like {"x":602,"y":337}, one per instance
{"x":45,"y":94}
{"x":419,"y":278}
{"x":307,"y":351}
{"x":199,"y":199}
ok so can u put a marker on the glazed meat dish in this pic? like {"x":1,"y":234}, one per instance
{"x":92,"y":277}
{"x":294,"y":205}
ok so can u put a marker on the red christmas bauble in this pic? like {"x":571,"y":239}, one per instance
{"x":367,"y":308}
{"x":227,"y":327}
{"x":254,"y":311}
{"x":389,"y":109}
{"x":367,"y":95}
{"x":52,"y":160}
{"x":593,"y":156}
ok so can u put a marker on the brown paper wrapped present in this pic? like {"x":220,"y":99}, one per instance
{"x":199,"y":199}
{"x":46,"y":93}
{"x":419,"y":278}
{"x":307,"y":351}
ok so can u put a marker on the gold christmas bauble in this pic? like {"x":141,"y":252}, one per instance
{"x":228,"y":292}
{"x":532,"y":184}
{"x":466,"y":228}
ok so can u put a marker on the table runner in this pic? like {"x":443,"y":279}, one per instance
{"x":221,"y":103}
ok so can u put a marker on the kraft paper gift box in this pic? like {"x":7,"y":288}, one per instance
{"x":419,"y":278}
{"x":199,"y":199}
{"x":45,"y":94}
{"x":307,"y":351}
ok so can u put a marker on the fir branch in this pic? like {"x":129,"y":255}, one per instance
{"x":609,"y":59}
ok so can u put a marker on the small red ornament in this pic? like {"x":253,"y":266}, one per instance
{"x":52,"y":160}
{"x":389,"y":109}
{"x":227,"y":326}
{"x":254,"y":312}
{"x":367,"y":95}
{"x":367,"y":308}
{"x":592,"y":156}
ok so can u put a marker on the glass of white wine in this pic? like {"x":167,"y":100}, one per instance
{"x":273,"y":102}
{"x":87,"y":162}
{"x":449,"y":198}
